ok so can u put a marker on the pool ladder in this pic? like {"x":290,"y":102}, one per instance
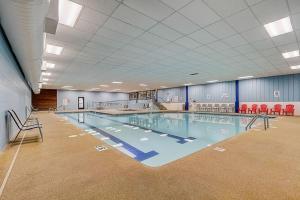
{"x":253,"y":120}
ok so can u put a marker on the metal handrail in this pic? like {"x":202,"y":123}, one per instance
{"x":266,"y":121}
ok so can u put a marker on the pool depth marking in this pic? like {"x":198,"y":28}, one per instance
{"x":181,"y":140}
{"x":139,"y":155}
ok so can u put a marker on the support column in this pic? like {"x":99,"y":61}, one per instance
{"x":186,"y":106}
{"x":237,"y":96}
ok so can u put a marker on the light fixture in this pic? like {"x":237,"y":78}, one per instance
{"x":68,"y":12}
{"x":46,"y":74}
{"x":291,"y":54}
{"x":117,"y":82}
{"x":104,"y":85}
{"x":66,"y":86}
{"x":163,"y":86}
{"x":50,"y":65}
{"x":245,"y":77}
{"x":279,"y":27}
{"x":45,"y":79}
{"x":212,"y":81}
{"x":143,"y":85}
{"x":187,"y":84}
{"x":52,"y":49}
{"x":295,"y":67}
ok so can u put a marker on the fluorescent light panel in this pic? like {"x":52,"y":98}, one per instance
{"x":104,"y":85}
{"x":212,"y":81}
{"x":291,"y":54}
{"x":279,"y":27}
{"x":245,"y":77}
{"x":295,"y":67}
{"x":50,"y":65}
{"x":46,"y":74}
{"x":52,"y":49}
{"x":143,"y":85}
{"x":117,"y":82}
{"x":68,"y":12}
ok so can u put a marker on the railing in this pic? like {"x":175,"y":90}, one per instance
{"x":253,"y":120}
{"x":124,"y":104}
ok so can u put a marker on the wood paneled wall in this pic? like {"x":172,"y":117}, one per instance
{"x":45,"y":100}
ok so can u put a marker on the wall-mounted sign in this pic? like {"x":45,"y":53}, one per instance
{"x":276,"y":93}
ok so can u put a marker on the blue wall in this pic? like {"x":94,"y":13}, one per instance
{"x":171,"y":94}
{"x":215,"y":92}
{"x":14,"y":91}
{"x":262,"y":89}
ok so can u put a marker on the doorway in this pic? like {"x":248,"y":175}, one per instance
{"x":80,"y":103}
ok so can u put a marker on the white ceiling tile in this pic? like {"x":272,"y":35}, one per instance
{"x":86,"y":26}
{"x":154,"y":8}
{"x":294,"y":5}
{"x":252,"y":2}
{"x":187,"y":42}
{"x":218,"y":46}
{"x":165,"y":32}
{"x":270,"y":10}
{"x":263,"y":44}
{"x":176,"y":4}
{"x":288,"y":47}
{"x":199,"y":13}
{"x":113,"y":35}
{"x":93,"y":16}
{"x":295,"y":20}
{"x":203,"y":37}
{"x":235,"y":40}
{"x":285,"y":39}
{"x":133,"y":17}
{"x":243,"y":21}
{"x":220,"y":30}
{"x":105,"y":6}
{"x":122,"y":27}
{"x":180,"y":23}
{"x":226,"y":8}
{"x":255,"y":34}
{"x":245,"y":49}
{"x":153,"y":39}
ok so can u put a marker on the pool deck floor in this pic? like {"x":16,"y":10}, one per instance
{"x":255,"y":165}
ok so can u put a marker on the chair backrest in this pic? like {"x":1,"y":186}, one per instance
{"x":209,"y":105}
{"x":289,"y":107}
{"x":277,"y":107}
{"x":204,"y":105}
{"x":15,"y":120}
{"x":254,"y":106}
{"x":17,"y":117}
{"x":244,"y":107}
{"x":263,"y":107}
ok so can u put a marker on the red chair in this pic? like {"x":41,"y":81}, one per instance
{"x":243,"y":108}
{"x":253,"y":109}
{"x":289,"y":109}
{"x":263,"y":109}
{"x":276,"y":109}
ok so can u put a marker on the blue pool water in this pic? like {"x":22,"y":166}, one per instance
{"x":156,"y":139}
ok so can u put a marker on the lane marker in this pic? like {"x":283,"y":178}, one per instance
{"x":117,"y":131}
{"x":10,"y":167}
{"x":144,"y":139}
{"x":135,"y":128}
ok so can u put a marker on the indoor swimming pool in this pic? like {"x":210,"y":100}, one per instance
{"x":155,"y":139}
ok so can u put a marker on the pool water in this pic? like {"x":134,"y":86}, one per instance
{"x":156,"y":139}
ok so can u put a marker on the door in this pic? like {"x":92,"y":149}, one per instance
{"x":80,"y":102}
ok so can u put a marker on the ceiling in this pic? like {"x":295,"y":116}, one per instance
{"x":161,"y":42}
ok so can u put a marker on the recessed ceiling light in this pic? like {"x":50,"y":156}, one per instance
{"x":187,"y":84}
{"x":245,"y":77}
{"x":54,"y":49}
{"x":45,"y":79}
{"x":212,"y":81}
{"x":68,"y":12}
{"x":143,"y":85}
{"x":295,"y":67}
{"x":117,"y":82}
{"x":50,"y":65}
{"x":104,"y":85}
{"x":291,"y":54}
{"x":279,"y":27}
{"x":66,"y":86}
{"x":46,"y":74}
{"x":163,"y":86}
